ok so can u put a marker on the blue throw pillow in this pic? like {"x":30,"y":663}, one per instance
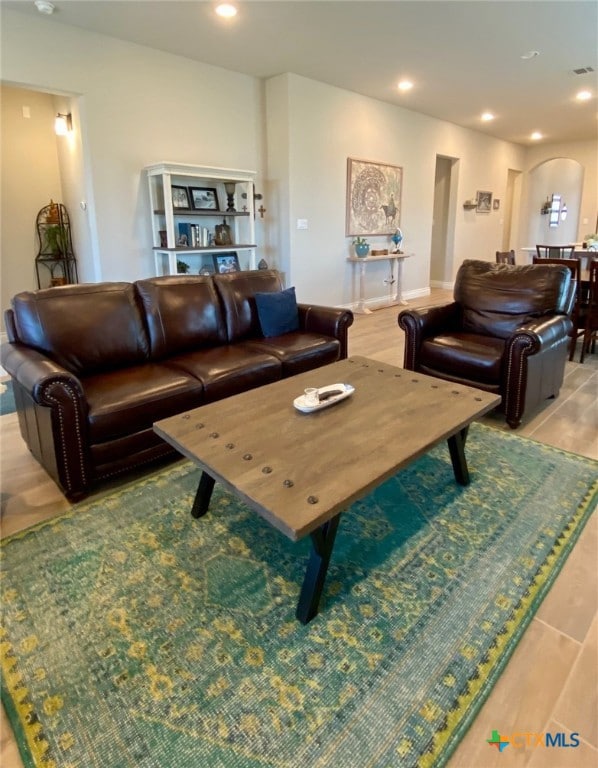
{"x":277,"y":312}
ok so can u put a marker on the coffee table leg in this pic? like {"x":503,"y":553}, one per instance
{"x":456,"y":445}
{"x":203,"y":495}
{"x":322,"y":541}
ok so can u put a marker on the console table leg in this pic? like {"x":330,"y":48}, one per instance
{"x":203,"y":495}
{"x":456,"y":444}
{"x":322,"y":541}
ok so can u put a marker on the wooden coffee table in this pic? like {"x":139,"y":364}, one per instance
{"x":300,"y":471}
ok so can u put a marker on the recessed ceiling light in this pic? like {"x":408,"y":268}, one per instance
{"x":583,"y":95}
{"x":226,"y":10}
{"x":530,"y":55}
{"x":487,"y":116}
{"x":536,"y":135}
{"x":45,"y":6}
{"x":405,"y":85}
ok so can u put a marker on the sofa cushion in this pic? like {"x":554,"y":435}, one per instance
{"x":229,"y":369}
{"x":183,"y":312}
{"x":499,"y":298}
{"x":127,"y":401}
{"x":86,"y":328}
{"x":298,"y":351}
{"x":237,"y":291}
{"x":472,"y":356}
{"x":277,"y":311}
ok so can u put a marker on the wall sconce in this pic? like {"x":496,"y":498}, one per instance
{"x":63,"y":124}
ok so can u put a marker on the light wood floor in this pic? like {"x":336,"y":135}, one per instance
{"x":551,"y":681}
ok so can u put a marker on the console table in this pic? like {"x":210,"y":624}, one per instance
{"x":394,"y":287}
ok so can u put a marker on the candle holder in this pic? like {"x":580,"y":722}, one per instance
{"x":229,"y":188}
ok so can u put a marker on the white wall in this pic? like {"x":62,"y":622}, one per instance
{"x":30,"y":178}
{"x":137,"y":106}
{"x":325,"y":126}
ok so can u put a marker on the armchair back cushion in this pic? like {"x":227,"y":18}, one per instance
{"x":87,"y":328}
{"x":496,"y":299}
{"x":182,"y":314}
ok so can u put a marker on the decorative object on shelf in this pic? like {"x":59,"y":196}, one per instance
{"x":222,"y":236}
{"x":55,"y":246}
{"x":263,"y":264}
{"x":483,"y":202}
{"x":226,"y":262}
{"x":180,"y":197}
{"x":469,"y":205}
{"x":495,"y":204}
{"x":182,"y":267}
{"x":373,"y":197}
{"x":163,"y":238}
{"x":591,"y":242}
{"x":204,"y":199}
{"x":63,"y":124}
{"x":229,"y":188}
{"x":397,"y":239}
{"x":362,"y":247}
{"x":380,"y":252}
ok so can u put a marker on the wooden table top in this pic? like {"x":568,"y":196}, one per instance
{"x":298,"y":470}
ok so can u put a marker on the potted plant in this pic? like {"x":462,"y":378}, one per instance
{"x":362,"y":247}
{"x":57,"y":240}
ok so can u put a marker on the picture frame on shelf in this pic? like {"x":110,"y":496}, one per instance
{"x":227,"y":261}
{"x":483,"y":202}
{"x":374,"y":192}
{"x":204,"y":199}
{"x":180,"y":197}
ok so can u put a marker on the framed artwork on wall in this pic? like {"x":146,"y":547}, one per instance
{"x":495,"y":204}
{"x":373,"y":198}
{"x":483,"y":202}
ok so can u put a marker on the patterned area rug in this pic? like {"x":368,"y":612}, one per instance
{"x":7,"y":398}
{"x":134,"y":635}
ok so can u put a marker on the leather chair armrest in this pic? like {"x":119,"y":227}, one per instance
{"x":328,"y":321}
{"x":534,"y":338}
{"x":419,"y":325}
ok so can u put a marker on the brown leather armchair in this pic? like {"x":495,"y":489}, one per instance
{"x":507,"y":331}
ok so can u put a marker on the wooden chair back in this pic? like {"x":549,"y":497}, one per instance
{"x":555,"y":251}
{"x":505,"y":257}
{"x":591,"y":319}
{"x":576,"y":314}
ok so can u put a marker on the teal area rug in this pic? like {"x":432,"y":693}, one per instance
{"x":7,"y":398}
{"x":134,"y":635}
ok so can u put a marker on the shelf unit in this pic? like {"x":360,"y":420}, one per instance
{"x":168,"y":222}
{"x":55,"y":252}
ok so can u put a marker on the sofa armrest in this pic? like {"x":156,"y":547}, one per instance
{"x":419,"y":325}
{"x":57,"y":434}
{"x":327,"y":321}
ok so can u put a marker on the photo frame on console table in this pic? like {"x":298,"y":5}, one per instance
{"x":227,"y":261}
{"x":373,"y":198}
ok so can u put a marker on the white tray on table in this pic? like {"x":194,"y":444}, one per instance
{"x":301,"y":404}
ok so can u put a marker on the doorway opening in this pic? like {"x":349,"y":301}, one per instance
{"x":443,"y":223}
{"x":510,"y":224}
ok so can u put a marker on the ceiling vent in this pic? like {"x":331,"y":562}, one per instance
{"x":583,"y":70}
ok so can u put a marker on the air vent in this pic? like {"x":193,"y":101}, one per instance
{"x":583,"y":70}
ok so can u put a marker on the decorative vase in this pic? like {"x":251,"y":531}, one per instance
{"x":362,"y":249}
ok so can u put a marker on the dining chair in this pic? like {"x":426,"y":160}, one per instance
{"x":578,"y":311}
{"x":505,"y":257}
{"x":591,"y":320}
{"x":555,"y":251}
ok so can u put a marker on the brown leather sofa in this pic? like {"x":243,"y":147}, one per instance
{"x":507,"y":331}
{"x":94,"y":365}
